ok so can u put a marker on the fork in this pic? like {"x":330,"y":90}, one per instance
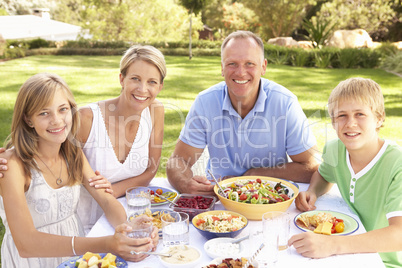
{"x":253,"y":257}
{"x":151,"y":253}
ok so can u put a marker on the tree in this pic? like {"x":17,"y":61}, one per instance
{"x":193,"y":6}
{"x":135,"y":20}
{"x":237,"y":17}
{"x":374,"y":16}
{"x":279,"y":17}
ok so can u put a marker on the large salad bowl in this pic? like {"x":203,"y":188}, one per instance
{"x":253,"y":209}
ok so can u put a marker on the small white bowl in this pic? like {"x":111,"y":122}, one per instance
{"x":216,"y":252}
{"x":190,"y":264}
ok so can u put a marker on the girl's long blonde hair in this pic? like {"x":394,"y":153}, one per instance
{"x":37,"y":92}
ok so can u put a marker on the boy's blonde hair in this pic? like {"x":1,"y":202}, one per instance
{"x":362,"y":90}
{"x":37,"y":92}
{"x":146,"y":53}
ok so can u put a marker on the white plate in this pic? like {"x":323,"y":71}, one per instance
{"x":351,"y":225}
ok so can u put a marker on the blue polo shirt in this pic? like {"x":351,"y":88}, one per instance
{"x":274,"y":128}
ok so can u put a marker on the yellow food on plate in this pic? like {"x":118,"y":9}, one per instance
{"x":323,"y":228}
{"x":318,"y":229}
{"x":91,"y":260}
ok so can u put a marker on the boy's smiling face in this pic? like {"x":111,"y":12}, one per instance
{"x":356,"y":125}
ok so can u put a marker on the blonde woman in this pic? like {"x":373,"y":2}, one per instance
{"x":123,"y":136}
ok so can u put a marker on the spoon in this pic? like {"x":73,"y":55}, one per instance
{"x":238,"y":240}
{"x":151,"y":253}
{"x":220,"y":188}
{"x":164,"y":198}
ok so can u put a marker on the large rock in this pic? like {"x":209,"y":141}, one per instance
{"x":350,"y":39}
{"x":283,"y":41}
{"x":398,"y":44}
{"x":305,"y":44}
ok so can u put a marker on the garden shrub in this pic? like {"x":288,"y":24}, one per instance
{"x":393,"y":62}
{"x":325,"y":57}
{"x":39,"y":43}
{"x":301,"y":58}
{"x":348,"y":58}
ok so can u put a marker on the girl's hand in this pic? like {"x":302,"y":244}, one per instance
{"x":155,"y":237}
{"x":305,"y":201}
{"x":100,"y":182}
{"x":313,"y":245}
{"x":123,"y":245}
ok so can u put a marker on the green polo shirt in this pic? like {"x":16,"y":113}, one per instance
{"x":374,"y":193}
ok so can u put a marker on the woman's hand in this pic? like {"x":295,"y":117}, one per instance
{"x":100,"y":182}
{"x":3,"y":163}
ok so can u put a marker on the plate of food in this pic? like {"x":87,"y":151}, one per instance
{"x":165,"y":192}
{"x":91,"y":259}
{"x":231,"y":262}
{"x":326,"y":222}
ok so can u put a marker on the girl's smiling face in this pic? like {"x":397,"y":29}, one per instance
{"x":356,"y":125}
{"x":53,"y":122}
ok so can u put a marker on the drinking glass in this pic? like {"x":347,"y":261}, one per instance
{"x":140,"y":229}
{"x":138,"y":200}
{"x":175,"y":228}
{"x":280,"y":222}
{"x":275,"y":230}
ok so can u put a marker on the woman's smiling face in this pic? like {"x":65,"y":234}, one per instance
{"x":142,"y":83}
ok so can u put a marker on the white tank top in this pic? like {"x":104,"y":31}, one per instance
{"x":101,"y":156}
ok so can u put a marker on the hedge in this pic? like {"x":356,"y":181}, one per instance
{"x":323,"y":58}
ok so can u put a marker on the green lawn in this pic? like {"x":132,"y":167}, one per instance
{"x":93,"y":78}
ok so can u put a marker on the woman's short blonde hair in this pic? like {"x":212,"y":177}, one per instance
{"x":146,"y":53}
{"x":361,"y":90}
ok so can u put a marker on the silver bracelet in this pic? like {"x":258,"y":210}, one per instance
{"x":72,"y":245}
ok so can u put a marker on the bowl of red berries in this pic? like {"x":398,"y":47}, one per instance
{"x":193,"y":204}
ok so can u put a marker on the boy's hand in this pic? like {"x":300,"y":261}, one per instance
{"x":313,"y":245}
{"x":305,"y":201}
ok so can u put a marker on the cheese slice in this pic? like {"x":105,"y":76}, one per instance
{"x":319,"y":228}
{"x":326,"y":228}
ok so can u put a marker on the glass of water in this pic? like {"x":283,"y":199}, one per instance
{"x":175,"y":228}
{"x":138,"y":200}
{"x":140,"y":229}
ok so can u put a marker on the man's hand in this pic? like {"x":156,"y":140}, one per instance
{"x":200,"y":185}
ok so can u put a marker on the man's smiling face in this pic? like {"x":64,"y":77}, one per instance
{"x":242,"y":66}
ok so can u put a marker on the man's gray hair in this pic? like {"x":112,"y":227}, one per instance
{"x":244,"y":35}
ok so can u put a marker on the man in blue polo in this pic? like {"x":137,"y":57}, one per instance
{"x":249,"y":124}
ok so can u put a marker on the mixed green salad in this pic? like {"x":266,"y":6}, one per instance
{"x":256,"y":192}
